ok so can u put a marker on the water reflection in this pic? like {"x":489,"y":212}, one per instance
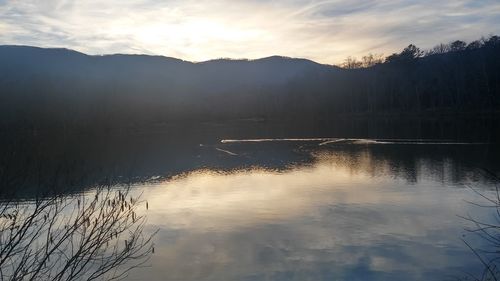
{"x":289,"y":210}
{"x":78,"y":162}
{"x":350,"y":213}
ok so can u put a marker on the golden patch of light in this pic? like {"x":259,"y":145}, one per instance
{"x":206,"y":199}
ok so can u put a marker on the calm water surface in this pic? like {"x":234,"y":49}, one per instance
{"x":310,"y":210}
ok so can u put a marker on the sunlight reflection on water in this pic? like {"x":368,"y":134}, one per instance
{"x":341,"y":217}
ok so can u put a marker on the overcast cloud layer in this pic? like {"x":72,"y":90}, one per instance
{"x":324,"y":31}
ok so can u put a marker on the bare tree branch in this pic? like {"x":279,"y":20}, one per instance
{"x":98,"y":235}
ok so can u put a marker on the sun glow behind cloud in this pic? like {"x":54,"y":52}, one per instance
{"x":325,"y":31}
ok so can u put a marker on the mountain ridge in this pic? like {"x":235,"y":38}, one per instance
{"x":62,"y":88}
{"x":138,"y":55}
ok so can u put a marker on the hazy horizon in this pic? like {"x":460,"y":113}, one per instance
{"x":323,"y":31}
{"x":163,"y":56}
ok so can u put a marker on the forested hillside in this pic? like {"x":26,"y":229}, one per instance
{"x":59,"y":88}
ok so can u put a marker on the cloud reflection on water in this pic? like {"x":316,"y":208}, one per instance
{"x":333,"y":219}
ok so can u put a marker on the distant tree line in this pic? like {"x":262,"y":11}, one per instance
{"x":455,"y":76}
{"x":412,"y":52}
{"x":56,"y":88}
{"x":366,"y":61}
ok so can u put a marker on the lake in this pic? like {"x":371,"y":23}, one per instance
{"x":302,"y":208}
{"x":299,"y":210}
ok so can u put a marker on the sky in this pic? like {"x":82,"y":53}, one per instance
{"x":197,"y":30}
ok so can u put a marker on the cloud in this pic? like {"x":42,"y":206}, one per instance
{"x":340,"y":216}
{"x":325,"y":31}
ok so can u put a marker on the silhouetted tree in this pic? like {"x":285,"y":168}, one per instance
{"x":489,"y":232}
{"x":372,"y":60}
{"x":439,"y":49}
{"x":352,"y":63}
{"x":474,"y":45}
{"x":408,"y":54}
{"x":457,"y":46}
{"x":493,"y":41}
{"x":83,"y":237}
